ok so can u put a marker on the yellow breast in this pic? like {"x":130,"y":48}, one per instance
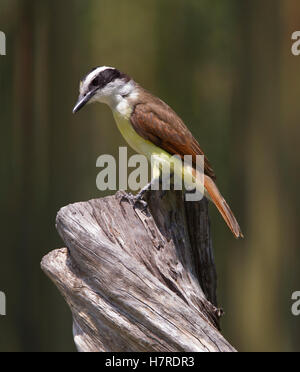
{"x":135,"y":141}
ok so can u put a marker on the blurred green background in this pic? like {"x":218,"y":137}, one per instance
{"x":226,"y":67}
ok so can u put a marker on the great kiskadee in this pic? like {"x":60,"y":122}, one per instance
{"x":149,"y":126}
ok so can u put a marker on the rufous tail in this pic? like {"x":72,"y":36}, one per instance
{"x":222,"y":206}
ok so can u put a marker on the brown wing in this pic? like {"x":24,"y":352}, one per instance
{"x":156,"y":122}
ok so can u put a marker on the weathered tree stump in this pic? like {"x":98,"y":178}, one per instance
{"x":138,"y":280}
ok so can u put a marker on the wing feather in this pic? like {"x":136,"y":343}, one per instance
{"x":156,"y":122}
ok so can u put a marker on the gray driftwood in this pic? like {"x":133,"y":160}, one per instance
{"x":138,"y":280}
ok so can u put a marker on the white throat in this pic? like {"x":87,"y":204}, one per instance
{"x":119,"y":96}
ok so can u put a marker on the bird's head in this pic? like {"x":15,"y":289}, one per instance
{"x":105,"y":85}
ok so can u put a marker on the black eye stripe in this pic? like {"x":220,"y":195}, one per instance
{"x":107,"y":76}
{"x":95,"y":82}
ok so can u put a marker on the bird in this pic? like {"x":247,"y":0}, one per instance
{"x":150,"y":126}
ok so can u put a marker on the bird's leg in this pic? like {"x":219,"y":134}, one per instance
{"x":154,"y":185}
{"x":151,"y":185}
{"x":157,"y":181}
{"x":138,"y":200}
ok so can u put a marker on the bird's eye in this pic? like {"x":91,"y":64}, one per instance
{"x":95,"y":82}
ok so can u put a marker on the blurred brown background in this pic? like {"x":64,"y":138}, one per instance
{"x":226,"y":67}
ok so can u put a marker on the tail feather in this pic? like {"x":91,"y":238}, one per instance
{"x":223,"y":207}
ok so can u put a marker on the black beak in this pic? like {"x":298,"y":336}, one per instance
{"x":83,"y":100}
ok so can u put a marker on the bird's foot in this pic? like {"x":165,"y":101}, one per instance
{"x":137,"y":201}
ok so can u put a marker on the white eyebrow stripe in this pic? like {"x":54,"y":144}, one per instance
{"x":90,"y":77}
{"x":96,"y":72}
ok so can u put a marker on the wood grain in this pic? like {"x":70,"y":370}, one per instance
{"x":138,"y":280}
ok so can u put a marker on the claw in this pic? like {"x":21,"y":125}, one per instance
{"x":137,"y":201}
{"x":140,"y":204}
